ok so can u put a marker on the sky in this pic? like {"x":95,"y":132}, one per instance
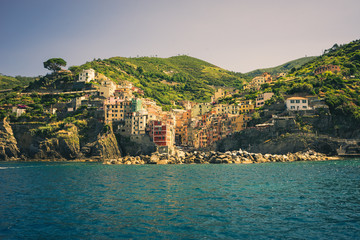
{"x":238,"y":35}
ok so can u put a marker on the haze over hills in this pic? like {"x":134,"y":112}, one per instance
{"x":283,"y":68}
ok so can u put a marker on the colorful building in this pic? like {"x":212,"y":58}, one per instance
{"x":162,"y":135}
{"x":117,"y":109}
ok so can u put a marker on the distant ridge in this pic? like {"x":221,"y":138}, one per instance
{"x":286,"y":67}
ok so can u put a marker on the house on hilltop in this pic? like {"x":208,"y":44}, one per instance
{"x":87,"y":75}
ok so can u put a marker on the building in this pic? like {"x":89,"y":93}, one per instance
{"x":107,"y":88}
{"x":297,"y":104}
{"x":162,"y":135}
{"x":19,"y":110}
{"x":219,"y":93}
{"x":256,"y":82}
{"x":123,"y":93}
{"x":182,"y":120}
{"x":200,"y":109}
{"x":261,"y":98}
{"x":117,"y":109}
{"x":268,"y":77}
{"x":237,"y":122}
{"x":87,"y":75}
{"x":136,"y":104}
{"x":326,"y":68}
{"x":246,"y":106}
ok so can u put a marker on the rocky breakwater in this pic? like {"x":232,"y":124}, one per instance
{"x":237,"y":157}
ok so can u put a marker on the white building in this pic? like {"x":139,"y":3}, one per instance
{"x":297,"y":104}
{"x":87,"y":75}
{"x":18,"y":111}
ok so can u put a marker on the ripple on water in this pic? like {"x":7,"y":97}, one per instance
{"x":317,"y":200}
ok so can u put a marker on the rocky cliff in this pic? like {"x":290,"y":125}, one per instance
{"x":57,"y":142}
{"x":8,"y":144}
{"x":105,"y":147}
{"x":273,"y":142}
{"x":64,"y":145}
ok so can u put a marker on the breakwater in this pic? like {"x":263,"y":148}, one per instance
{"x":212,"y":157}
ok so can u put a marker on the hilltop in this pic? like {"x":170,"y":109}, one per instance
{"x":169,"y":79}
{"x":283,"y":68}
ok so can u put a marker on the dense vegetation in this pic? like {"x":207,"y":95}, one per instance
{"x":183,"y":77}
{"x":7,"y":82}
{"x":168,"y":79}
{"x":284,"y":68}
{"x":340,"y":90}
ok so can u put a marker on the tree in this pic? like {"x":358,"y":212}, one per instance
{"x":54,"y":64}
{"x":75,"y":69}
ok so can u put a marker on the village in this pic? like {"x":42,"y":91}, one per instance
{"x":193,"y":125}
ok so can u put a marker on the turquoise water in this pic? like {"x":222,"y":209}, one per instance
{"x":301,"y":200}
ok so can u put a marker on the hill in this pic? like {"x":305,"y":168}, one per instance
{"x":7,"y":82}
{"x":168,"y":79}
{"x":286,"y":67}
{"x":339,"y":89}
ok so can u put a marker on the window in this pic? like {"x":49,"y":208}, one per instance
{"x":297,"y":101}
{"x":292,"y":101}
{"x":303,"y":101}
{"x":292,"y":107}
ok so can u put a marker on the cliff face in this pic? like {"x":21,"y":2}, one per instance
{"x":136,"y":146}
{"x":64,"y":143}
{"x":8,"y":143}
{"x":105,"y":147}
{"x":272,"y":142}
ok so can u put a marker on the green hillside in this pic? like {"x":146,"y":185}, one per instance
{"x":168,"y":79}
{"x":7,"y":82}
{"x":286,"y":67}
{"x":341,"y":90}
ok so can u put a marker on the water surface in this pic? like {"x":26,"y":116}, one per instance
{"x":299,"y":200}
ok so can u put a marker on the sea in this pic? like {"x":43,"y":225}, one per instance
{"x":294,"y":200}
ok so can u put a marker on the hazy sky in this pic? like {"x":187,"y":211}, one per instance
{"x":238,"y":35}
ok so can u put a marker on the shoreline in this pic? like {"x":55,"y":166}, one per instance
{"x":197,"y":157}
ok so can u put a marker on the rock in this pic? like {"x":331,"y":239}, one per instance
{"x":246,"y":161}
{"x":163,"y":161}
{"x":8,"y":144}
{"x":154,"y":158}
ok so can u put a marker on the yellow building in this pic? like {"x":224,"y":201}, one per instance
{"x":246,"y":106}
{"x":237,"y":123}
